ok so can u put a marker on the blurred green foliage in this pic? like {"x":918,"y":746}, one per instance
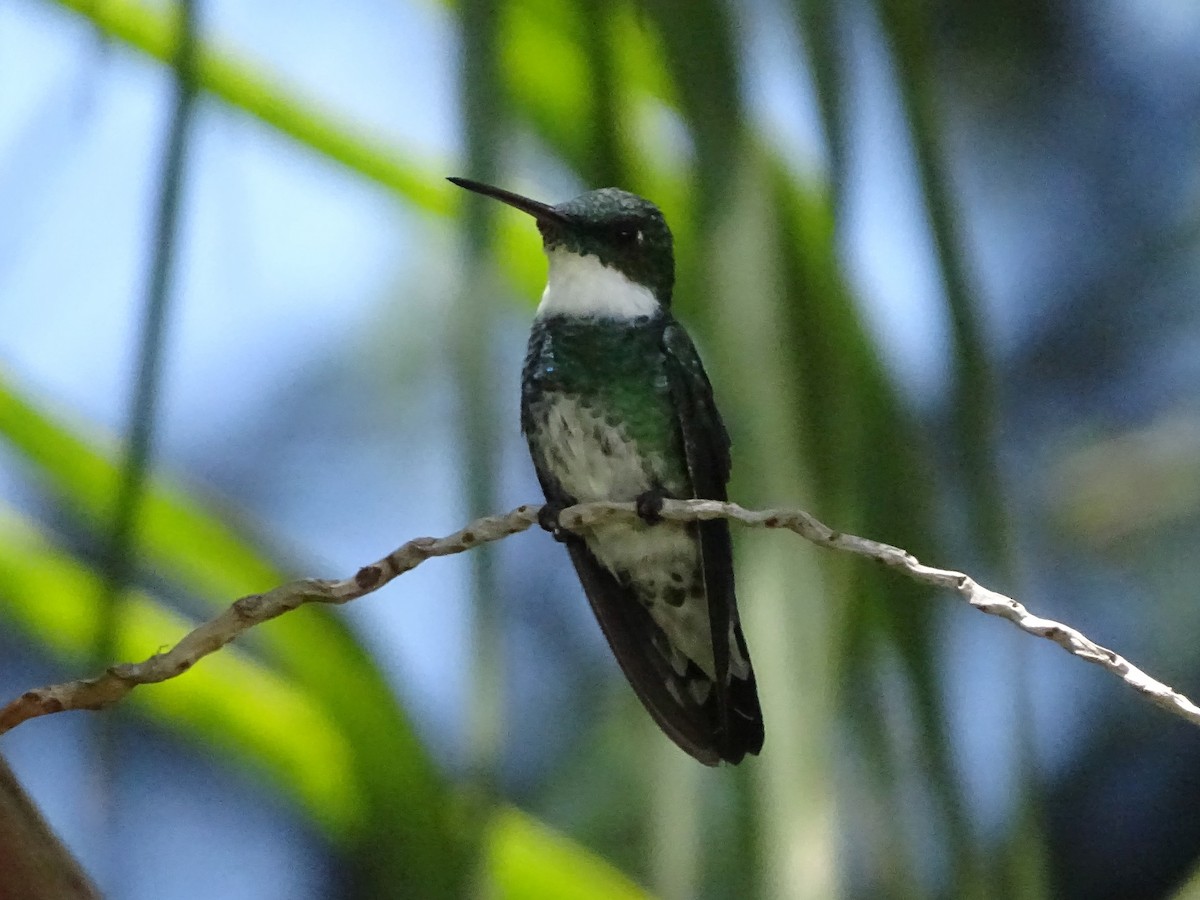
{"x":826,"y":420}
{"x":816,"y":422}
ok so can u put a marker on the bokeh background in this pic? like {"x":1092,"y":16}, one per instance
{"x":942,"y":259}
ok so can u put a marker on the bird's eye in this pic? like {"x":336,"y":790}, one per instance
{"x":628,"y":234}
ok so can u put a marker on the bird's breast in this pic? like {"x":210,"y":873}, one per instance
{"x":591,"y":453}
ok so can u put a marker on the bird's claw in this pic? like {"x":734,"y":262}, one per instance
{"x":548,"y":519}
{"x":649,"y":506}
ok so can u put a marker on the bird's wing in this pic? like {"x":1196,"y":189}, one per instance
{"x":643,"y":652}
{"x":706,"y":448}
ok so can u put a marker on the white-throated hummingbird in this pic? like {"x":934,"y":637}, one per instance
{"x":616,"y":405}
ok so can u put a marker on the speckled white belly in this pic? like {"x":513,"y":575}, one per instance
{"x":594,"y":460}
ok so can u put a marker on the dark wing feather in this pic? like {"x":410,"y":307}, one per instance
{"x":631,"y":634}
{"x":706,"y":446}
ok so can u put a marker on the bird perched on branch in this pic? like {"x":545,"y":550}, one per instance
{"x":616,"y":405}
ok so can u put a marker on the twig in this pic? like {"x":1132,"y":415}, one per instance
{"x":243,"y":614}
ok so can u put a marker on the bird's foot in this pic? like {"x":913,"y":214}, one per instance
{"x":548,"y":519}
{"x":649,"y":506}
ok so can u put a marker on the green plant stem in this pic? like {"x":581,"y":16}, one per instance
{"x":821,"y":24}
{"x":607,"y":126}
{"x":974,"y":383}
{"x":474,"y":369}
{"x":120,"y":558}
{"x":907,"y":25}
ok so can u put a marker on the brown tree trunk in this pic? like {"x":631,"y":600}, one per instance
{"x":34,"y":863}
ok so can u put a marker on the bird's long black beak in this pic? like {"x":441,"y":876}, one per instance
{"x":543,"y":212}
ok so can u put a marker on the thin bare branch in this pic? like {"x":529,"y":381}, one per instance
{"x":117,"y":681}
{"x":245,"y":613}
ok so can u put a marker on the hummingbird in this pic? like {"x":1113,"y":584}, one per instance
{"x":616,"y":405}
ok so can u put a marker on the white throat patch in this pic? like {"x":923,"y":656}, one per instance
{"x":583,"y":286}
